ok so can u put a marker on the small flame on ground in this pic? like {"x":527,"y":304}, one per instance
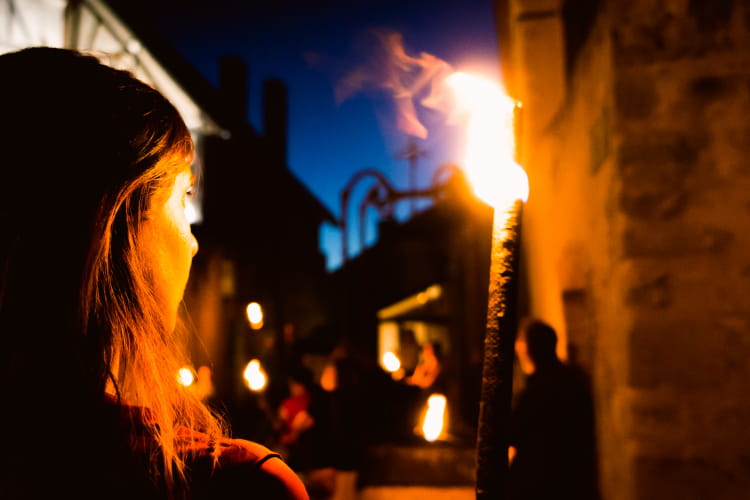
{"x":391,"y":362}
{"x":434,"y":419}
{"x":496,"y":178}
{"x":254,"y":376}
{"x":185,"y":376}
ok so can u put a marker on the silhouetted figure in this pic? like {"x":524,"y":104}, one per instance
{"x":552,"y":442}
{"x":299,"y":417}
{"x":351,"y":412}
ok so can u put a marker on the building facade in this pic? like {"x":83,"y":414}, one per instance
{"x":425,"y":281}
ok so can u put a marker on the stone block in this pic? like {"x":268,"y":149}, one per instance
{"x":648,"y":31}
{"x":673,"y":351}
{"x":674,"y":238}
{"x":711,"y":15}
{"x":711,"y":88}
{"x":654,"y":167}
{"x":635,"y":96}
{"x":687,"y":479}
{"x":654,"y":420}
{"x":669,"y":423}
{"x":431,"y":464}
{"x":642,"y":153}
{"x":654,"y":292}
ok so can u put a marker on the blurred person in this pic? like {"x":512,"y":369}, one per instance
{"x":306,"y":434}
{"x":95,"y":250}
{"x":352,"y":414}
{"x":428,"y":368}
{"x":294,"y":418}
{"x":552,"y":445}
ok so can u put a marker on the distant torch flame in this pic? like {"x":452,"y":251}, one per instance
{"x":254,"y":376}
{"x":391,"y":362}
{"x":185,"y":376}
{"x":254,"y":315}
{"x":496,"y":178}
{"x":434,"y":418}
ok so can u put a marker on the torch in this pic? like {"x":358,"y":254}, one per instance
{"x":499,"y":181}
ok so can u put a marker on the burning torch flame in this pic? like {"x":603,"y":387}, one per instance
{"x":497,"y":179}
{"x":254,"y":376}
{"x":185,"y":376}
{"x":434,"y":418}
{"x":391,"y":362}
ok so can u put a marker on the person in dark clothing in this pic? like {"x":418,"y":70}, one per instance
{"x":95,"y":252}
{"x":552,"y":445}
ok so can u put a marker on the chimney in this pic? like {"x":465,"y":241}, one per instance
{"x":233,"y":88}
{"x":275,"y":117}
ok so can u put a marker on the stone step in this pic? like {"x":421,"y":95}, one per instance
{"x":416,"y":493}
{"x":424,"y":465}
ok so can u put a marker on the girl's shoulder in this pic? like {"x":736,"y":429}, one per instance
{"x":222,"y":469}
{"x":238,"y":468}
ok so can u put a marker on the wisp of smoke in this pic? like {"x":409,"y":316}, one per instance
{"x":411,"y":81}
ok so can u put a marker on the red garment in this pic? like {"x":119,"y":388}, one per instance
{"x":289,"y":409}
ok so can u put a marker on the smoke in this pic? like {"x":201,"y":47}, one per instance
{"x":411,"y":81}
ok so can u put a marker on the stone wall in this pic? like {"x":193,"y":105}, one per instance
{"x":636,"y":230}
{"x":682,"y":108}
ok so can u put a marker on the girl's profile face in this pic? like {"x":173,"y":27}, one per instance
{"x":170,"y":244}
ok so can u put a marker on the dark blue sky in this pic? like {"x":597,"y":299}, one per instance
{"x":310,"y":45}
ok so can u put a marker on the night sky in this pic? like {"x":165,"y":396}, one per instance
{"x":312,"y":46}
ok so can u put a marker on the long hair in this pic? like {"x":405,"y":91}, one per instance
{"x":85,"y":150}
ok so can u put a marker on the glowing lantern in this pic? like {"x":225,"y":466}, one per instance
{"x":434,"y":418}
{"x":185,"y":376}
{"x":391,"y":362}
{"x":255,"y":315}
{"x":255,"y":376}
